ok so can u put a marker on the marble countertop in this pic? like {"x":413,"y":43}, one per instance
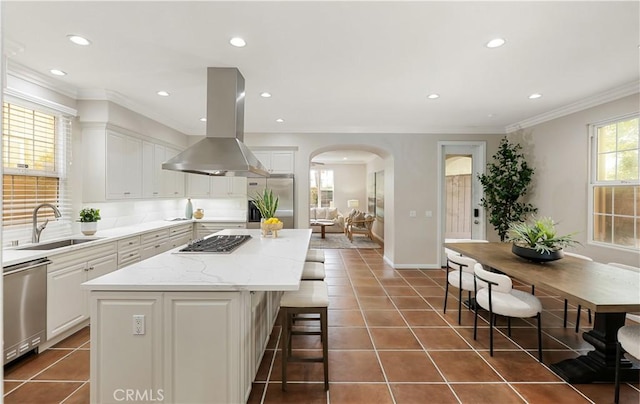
{"x":14,"y":255}
{"x":262,"y":263}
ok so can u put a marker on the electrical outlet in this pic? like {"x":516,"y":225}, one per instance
{"x":138,"y":324}
{"x":428,"y":213}
{"x":412,"y":213}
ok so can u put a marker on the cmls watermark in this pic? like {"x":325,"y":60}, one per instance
{"x":135,"y":395}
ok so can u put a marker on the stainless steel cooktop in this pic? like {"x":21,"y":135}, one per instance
{"x":223,"y":244}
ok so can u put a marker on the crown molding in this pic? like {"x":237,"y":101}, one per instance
{"x":24,"y":73}
{"x":117,"y":98}
{"x":598,"y":99}
{"x":11,"y":48}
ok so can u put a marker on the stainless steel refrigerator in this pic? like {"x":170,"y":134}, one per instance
{"x":282,"y":187}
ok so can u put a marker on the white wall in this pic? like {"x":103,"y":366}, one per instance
{"x":349,"y":182}
{"x":559,"y":152}
{"x":410,"y":168}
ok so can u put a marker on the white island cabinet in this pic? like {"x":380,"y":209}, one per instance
{"x":191,"y":327}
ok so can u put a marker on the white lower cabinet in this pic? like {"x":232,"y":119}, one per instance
{"x":203,"y":229}
{"x":188,"y":336}
{"x":66,"y":302}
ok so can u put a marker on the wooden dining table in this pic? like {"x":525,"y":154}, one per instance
{"x":609,"y":291}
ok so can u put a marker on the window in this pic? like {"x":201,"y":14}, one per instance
{"x":321,"y":186}
{"x":615,"y":183}
{"x":34,"y":151}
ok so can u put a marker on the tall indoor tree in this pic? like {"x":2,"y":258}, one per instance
{"x":505,"y":184}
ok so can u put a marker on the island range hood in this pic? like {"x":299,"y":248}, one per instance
{"x":221,"y":152}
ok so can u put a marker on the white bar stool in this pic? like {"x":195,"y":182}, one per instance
{"x":313,"y":271}
{"x":315,"y":256}
{"x":312,"y":297}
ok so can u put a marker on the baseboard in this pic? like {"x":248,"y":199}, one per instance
{"x":410,"y":266}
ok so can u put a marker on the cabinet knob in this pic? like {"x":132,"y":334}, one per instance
{"x":131,"y":255}
{"x":157,"y":246}
{"x":91,"y":268}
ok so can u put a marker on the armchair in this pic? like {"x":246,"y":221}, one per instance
{"x":359,"y":223}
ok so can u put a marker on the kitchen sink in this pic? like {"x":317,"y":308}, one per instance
{"x":58,"y":244}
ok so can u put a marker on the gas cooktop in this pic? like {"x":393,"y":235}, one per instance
{"x":216,"y":244}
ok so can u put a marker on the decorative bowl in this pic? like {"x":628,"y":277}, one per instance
{"x":270,"y":229}
{"x":535,"y":256}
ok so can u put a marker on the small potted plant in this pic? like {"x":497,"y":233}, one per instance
{"x":538,"y":241}
{"x":267,"y":204}
{"x":89,"y":221}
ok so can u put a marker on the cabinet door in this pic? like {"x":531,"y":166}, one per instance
{"x":238,"y":186}
{"x":115,"y":181}
{"x":219,"y":187}
{"x":149,"y":189}
{"x":227,"y":356}
{"x":124,"y":167}
{"x":161,"y":177}
{"x":133,"y":168}
{"x":198,"y":185}
{"x":66,"y":301}
{"x":173,"y":180}
{"x":102,"y":266}
{"x":282,"y":162}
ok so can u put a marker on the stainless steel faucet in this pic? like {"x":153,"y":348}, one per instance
{"x":35,"y":236}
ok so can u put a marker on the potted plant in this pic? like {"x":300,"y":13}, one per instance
{"x":537,"y":240}
{"x":504,"y":185}
{"x":267,"y":204}
{"x":89,"y":221}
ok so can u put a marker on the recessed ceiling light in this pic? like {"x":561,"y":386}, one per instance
{"x":163,"y":93}
{"x":79,"y":40}
{"x":433,"y":96}
{"x":237,"y":42}
{"x":203,"y":119}
{"x":495,"y":43}
{"x":279,"y":120}
{"x":265,"y":95}
{"x":58,"y":72}
{"x":534,"y":96}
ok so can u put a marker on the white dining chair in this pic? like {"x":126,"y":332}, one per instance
{"x":629,"y":342}
{"x":460,"y":275}
{"x":500,"y":298}
{"x":566,"y":303}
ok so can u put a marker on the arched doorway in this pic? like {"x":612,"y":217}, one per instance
{"x":345,"y":179}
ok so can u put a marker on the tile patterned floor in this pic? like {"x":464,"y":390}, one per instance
{"x":389,"y":342}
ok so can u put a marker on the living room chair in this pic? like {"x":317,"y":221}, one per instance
{"x":629,"y":342}
{"x":499,"y":297}
{"x":359,"y":226}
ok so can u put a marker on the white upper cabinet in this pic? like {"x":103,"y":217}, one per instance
{"x":204,"y":186}
{"x":173,"y":180}
{"x":124,"y":167}
{"x":198,"y":186}
{"x":228,"y":187}
{"x":276,"y":161}
{"x":118,"y":166}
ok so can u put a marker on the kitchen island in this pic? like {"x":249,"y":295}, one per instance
{"x":190,"y":327}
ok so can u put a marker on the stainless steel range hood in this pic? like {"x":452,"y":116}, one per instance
{"x":221,"y":152}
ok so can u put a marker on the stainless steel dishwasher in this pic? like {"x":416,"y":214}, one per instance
{"x":25,"y":307}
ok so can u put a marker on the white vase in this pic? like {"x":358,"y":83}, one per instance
{"x":88,"y":228}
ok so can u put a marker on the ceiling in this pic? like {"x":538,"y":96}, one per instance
{"x":343,"y":67}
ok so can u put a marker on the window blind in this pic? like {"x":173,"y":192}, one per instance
{"x":36,"y":151}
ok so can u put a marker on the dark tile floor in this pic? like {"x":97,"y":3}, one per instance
{"x":389,"y":342}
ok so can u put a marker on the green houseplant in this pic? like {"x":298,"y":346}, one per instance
{"x":538,"y":240}
{"x":266,"y":203}
{"x":504,"y":185}
{"x":89,"y":221}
